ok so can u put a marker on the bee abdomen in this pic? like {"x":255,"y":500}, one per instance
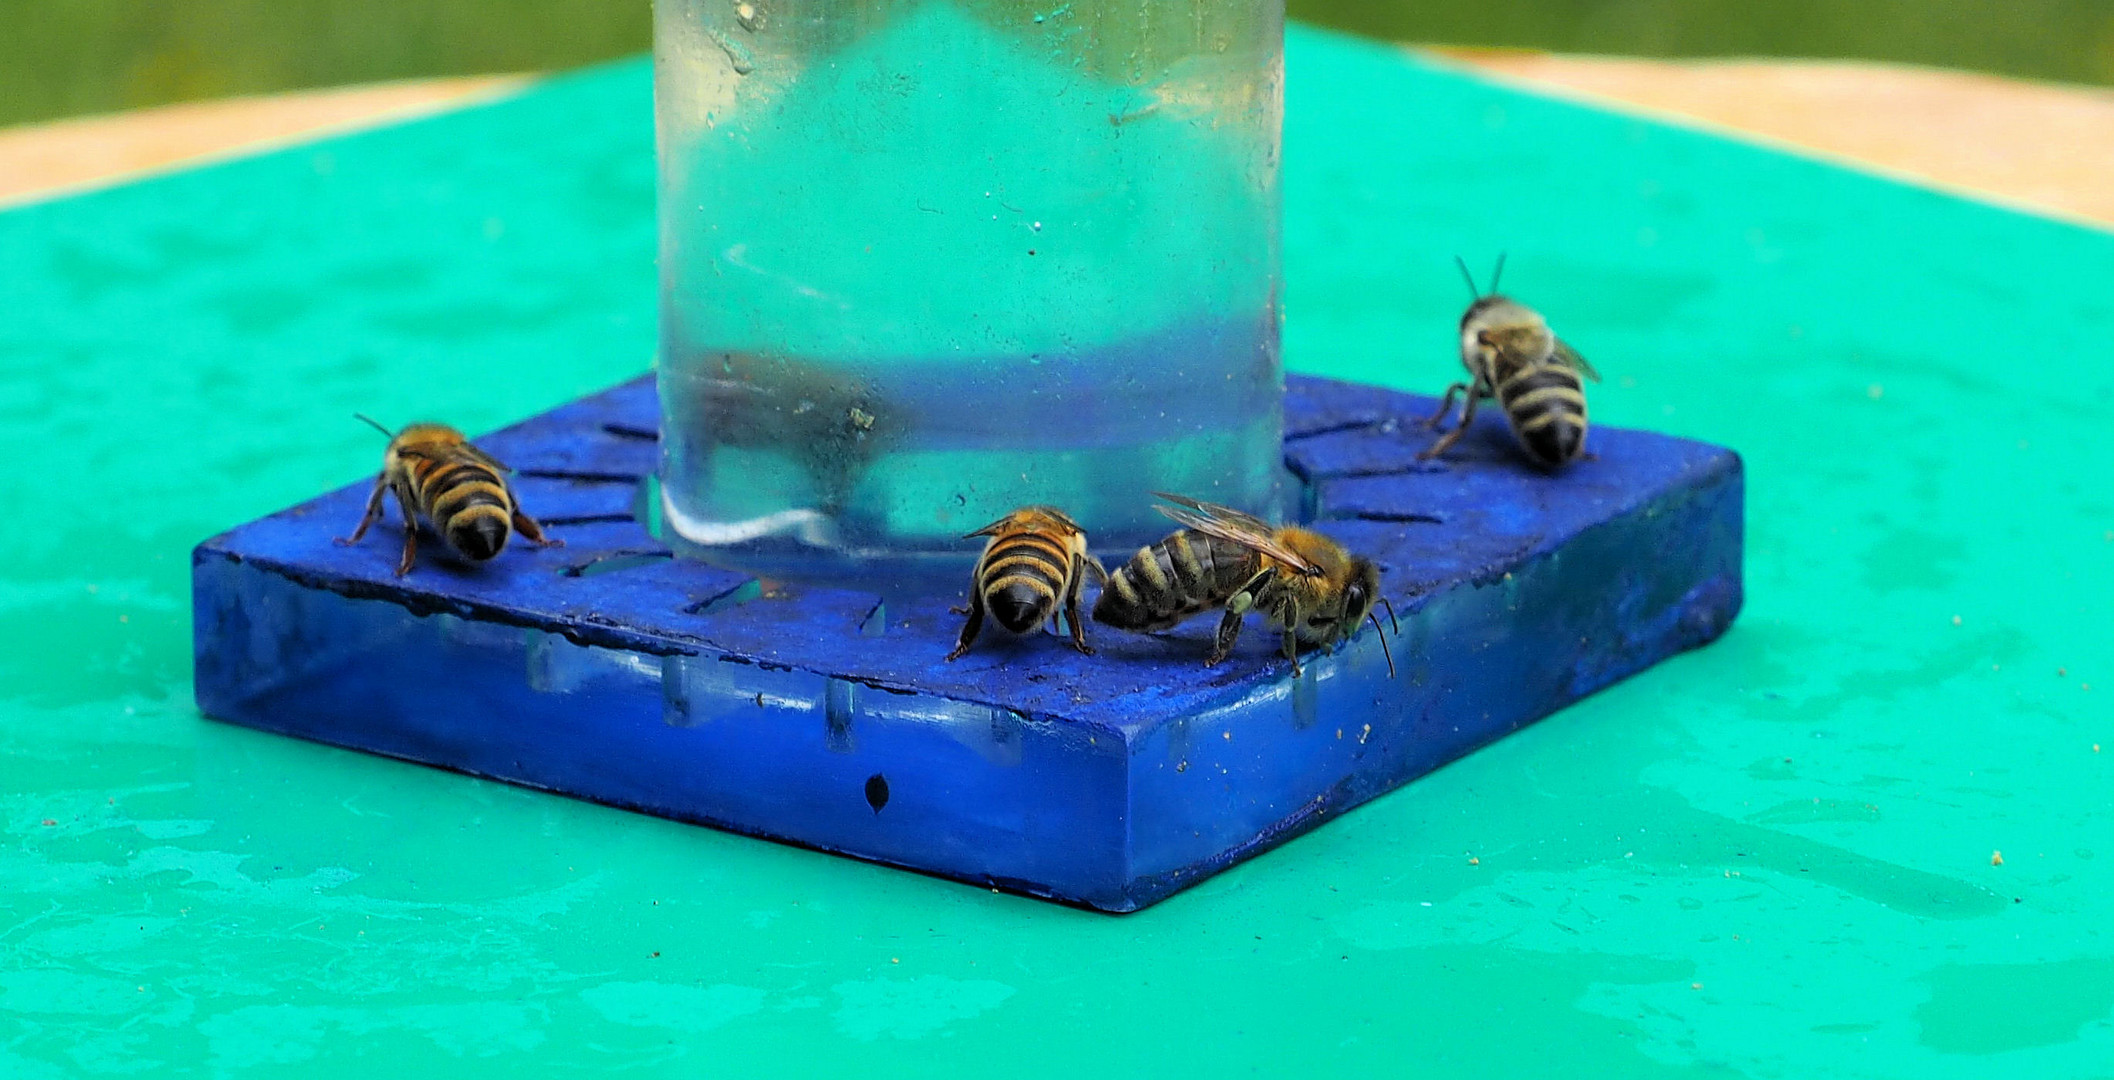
{"x":1546,"y":406}
{"x":469,"y":504}
{"x":480,"y":533}
{"x":1022,"y":578}
{"x":1169,"y":581}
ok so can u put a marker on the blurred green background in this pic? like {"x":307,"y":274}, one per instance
{"x":68,"y":57}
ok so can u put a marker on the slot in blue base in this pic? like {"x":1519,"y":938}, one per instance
{"x":609,"y":671}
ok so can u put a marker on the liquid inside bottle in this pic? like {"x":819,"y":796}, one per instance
{"x":926,"y":261}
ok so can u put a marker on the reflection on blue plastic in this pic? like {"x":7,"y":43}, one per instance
{"x":822,"y":717}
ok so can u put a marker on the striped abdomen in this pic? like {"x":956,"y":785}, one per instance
{"x":1023,"y":576}
{"x":1181,"y":576}
{"x":1546,"y":406}
{"x":466,"y":501}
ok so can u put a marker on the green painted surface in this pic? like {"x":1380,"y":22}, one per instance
{"x":1770,"y":858}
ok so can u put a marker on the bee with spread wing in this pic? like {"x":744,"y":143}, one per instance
{"x":1312,"y":590}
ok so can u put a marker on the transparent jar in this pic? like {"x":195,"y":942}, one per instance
{"x":926,"y":261}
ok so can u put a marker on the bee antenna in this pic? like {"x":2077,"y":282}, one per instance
{"x":1497,"y":273}
{"x":1384,"y":650}
{"x":1468,"y":276}
{"x":1391,"y":616}
{"x":371,"y":423}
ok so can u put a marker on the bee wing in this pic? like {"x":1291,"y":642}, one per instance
{"x":486,"y":459}
{"x":1233,"y":526}
{"x":989,"y":530}
{"x":1568,"y":356}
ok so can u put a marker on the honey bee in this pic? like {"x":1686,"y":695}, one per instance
{"x":437,"y":473}
{"x":1511,"y":356}
{"x":1312,"y":590}
{"x":1035,"y":561}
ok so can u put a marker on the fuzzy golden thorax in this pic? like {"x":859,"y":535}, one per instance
{"x":1329,"y":605}
{"x":1043,"y":520}
{"x":430,"y":441}
{"x":1500,"y":336}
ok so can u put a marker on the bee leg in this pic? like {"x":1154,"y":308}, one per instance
{"x":1446,"y":441}
{"x":1071,"y":605}
{"x":1229,"y":631}
{"x":975,"y":623}
{"x":403,"y":502}
{"x":1288,"y":615}
{"x":1446,"y":405}
{"x":373,"y":514}
{"x":1237,"y":607}
{"x":533,"y":532}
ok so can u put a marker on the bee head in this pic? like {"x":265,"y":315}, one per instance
{"x":1361,"y":594}
{"x":1358,"y":599}
{"x":1479,"y":312}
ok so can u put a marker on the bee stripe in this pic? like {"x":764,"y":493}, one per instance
{"x":1147,"y":566}
{"x":441,"y":483}
{"x":425,"y":470}
{"x":1033,"y":560}
{"x":452,"y":472}
{"x":1036,"y":554}
{"x":1120,"y":583}
{"x":1545,"y":419}
{"x":1187,"y":567}
{"x":1533,"y":399}
{"x":1525,"y":372}
{"x":1021,"y":570}
{"x":1023,"y":542}
{"x":436,"y":478}
{"x":447,"y":503}
{"x":462,"y":518}
{"x":1041,"y":585}
{"x":1536,"y":378}
{"x":1231,"y":566}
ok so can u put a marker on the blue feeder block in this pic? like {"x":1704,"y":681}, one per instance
{"x":610,"y":671}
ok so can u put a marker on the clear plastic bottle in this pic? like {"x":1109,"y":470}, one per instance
{"x":926,"y":261}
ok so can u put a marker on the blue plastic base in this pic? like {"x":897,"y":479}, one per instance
{"x":608,"y":671}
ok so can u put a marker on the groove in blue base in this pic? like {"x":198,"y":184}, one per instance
{"x":609,"y":671}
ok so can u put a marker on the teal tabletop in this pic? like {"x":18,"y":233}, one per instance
{"x":1858,"y":836}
